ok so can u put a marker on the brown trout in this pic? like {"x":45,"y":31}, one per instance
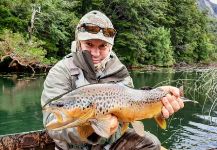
{"x":87,"y":106}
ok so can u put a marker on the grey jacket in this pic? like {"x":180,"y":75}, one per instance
{"x":70,"y":73}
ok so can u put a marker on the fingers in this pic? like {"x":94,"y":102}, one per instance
{"x":181,"y":103}
{"x":171,"y":104}
{"x":165,"y":113}
{"x":167,"y":105}
{"x":113,"y":124}
{"x":175,"y":91}
{"x":170,"y":89}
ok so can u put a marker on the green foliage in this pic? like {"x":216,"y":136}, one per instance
{"x":205,"y":48}
{"x":55,"y":25}
{"x":159,"y":32}
{"x":15,"y":43}
{"x":10,"y":21}
{"x":189,"y":32}
{"x":159,"y":48}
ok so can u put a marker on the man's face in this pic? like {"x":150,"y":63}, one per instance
{"x":98,"y":49}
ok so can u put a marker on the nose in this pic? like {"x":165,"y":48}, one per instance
{"x":95,"y":52}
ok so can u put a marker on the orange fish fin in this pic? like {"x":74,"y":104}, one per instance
{"x":80,"y":121}
{"x":53,"y":124}
{"x":138,"y":127}
{"x":85,"y":131}
{"x":101,"y":127}
{"x":124,"y":127}
{"x":161,"y":121}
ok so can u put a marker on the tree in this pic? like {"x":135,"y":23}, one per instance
{"x":159,"y":48}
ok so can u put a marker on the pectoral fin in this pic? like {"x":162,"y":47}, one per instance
{"x":101,"y":127}
{"x":80,"y":121}
{"x":138,"y":127}
{"x":161,"y":121}
{"x":85,"y":131}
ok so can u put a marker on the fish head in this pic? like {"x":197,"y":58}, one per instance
{"x":71,"y":108}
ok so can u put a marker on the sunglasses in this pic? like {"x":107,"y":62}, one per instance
{"x":92,"y":28}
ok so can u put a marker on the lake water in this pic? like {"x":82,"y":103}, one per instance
{"x":193,"y":127}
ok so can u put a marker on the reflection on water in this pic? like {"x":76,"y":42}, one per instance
{"x":20,"y":103}
{"x":194,"y":127}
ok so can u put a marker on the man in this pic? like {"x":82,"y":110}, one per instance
{"x":93,"y":61}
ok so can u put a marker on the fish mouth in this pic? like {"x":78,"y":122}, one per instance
{"x":55,"y":125}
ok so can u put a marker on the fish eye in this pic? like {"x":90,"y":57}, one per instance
{"x":59,"y":105}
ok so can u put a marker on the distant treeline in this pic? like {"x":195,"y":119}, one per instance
{"x":157,"y":32}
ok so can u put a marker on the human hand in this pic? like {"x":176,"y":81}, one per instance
{"x":171,"y":102}
{"x":113,"y":124}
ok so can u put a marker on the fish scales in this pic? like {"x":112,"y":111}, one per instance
{"x":107,"y":97}
{"x":97,"y":100}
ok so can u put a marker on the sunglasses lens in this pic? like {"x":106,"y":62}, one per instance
{"x":109,"y":32}
{"x":92,"y":28}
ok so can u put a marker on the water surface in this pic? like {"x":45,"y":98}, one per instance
{"x":194,"y":127}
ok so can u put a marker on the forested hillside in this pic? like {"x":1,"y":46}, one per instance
{"x":159,"y":32}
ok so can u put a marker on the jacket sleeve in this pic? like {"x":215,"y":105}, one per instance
{"x":58,"y":81}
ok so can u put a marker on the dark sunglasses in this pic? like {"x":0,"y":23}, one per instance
{"x":92,"y":28}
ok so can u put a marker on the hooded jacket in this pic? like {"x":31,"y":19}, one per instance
{"x":76,"y":70}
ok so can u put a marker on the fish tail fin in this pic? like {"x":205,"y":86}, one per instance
{"x":161,"y":121}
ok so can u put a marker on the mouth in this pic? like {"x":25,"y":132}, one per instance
{"x":96,"y":61}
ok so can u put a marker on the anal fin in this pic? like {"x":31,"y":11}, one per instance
{"x":161,"y":121}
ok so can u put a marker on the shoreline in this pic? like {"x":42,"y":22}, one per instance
{"x":40,"y":69}
{"x":178,"y":67}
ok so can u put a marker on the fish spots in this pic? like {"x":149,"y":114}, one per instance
{"x":59,"y":104}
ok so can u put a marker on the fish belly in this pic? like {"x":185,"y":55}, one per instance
{"x":149,"y":110}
